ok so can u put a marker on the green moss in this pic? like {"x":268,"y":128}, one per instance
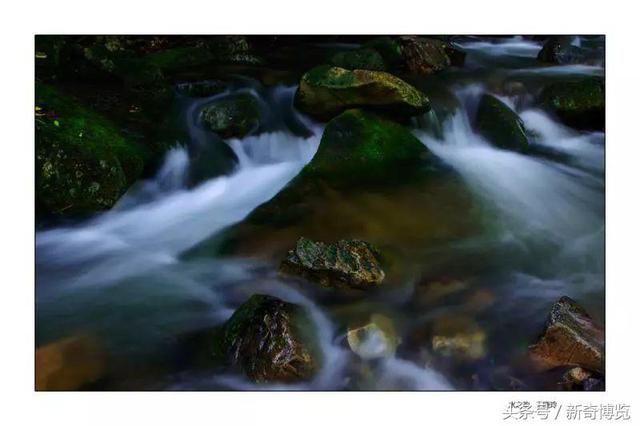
{"x":83,"y":163}
{"x":389,"y":49}
{"x":500,"y":125}
{"x":233,"y":116}
{"x":325,"y":91}
{"x":578,"y":103}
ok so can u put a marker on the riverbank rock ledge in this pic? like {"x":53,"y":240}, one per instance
{"x":579,"y":104}
{"x":346,"y":264}
{"x":233,"y":116}
{"x":270,"y":340}
{"x":325,"y":91}
{"x":571,"y":338}
{"x":500,"y":125}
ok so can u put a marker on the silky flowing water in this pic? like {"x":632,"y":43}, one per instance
{"x":512,"y":232}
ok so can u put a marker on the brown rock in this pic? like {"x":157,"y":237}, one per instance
{"x":570,"y":338}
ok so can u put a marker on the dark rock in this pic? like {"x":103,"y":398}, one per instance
{"x":424,"y":56}
{"x":233,"y":116}
{"x":389,"y":49}
{"x":270,"y":341}
{"x":362,"y":59}
{"x":345,"y":264}
{"x":578,"y":103}
{"x":325,"y":91}
{"x":570,"y":338}
{"x":559,"y":50}
{"x":500,"y":125}
{"x":83,"y":162}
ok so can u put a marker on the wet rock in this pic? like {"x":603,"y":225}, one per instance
{"x":232,"y":116}
{"x":83,"y":162}
{"x":578,"y":103}
{"x":201,"y":89}
{"x":458,"y":337}
{"x":69,"y":364}
{"x":578,"y":378}
{"x":270,"y":341}
{"x":361,"y":59}
{"x":424,"y":56}
{"x":389,"y":49}
{"x":570,"y":338}
{"x":375,"y":339}
{"x":362,"y":147}
{"x":500,"y":125}
{"x":346,"y":264}
{"x":559,"y":50}
{"x":325,"y":91}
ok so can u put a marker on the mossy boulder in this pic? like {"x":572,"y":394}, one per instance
{"x":346,"y":264}
{"x":559,"y":50}
{"x":83,"y":163}
{"x":270,"y":340}
{"x":363,"y":59}
{"x":500,"y":125}
{"x":232,"y":116}
{"x":325,"y":91}
{"x":577,"y":103}
{"x":570,"y":338}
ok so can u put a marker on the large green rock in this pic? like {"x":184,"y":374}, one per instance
{"x":325,"y":91}
{"x":350,"y":264}
{"x":500,"y":125}
{"x":578,"y":103}
{"x":270,"y":341}
{"x":233,"y":116}
{"x":83,"y":162}
{"x":362,"y":59}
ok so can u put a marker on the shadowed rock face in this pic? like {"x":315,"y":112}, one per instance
{"x":269,"y":340}
{"x":570,"y":338}
{"x":345,"y":264}
{"x":579,"y":104}
{"x":326,"y":91}
{"x":500,"y":125}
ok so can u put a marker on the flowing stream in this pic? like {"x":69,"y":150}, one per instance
{"x":538,"y":234}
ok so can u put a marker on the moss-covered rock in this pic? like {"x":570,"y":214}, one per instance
{"x":362,"y":59}
{"x":500,"y":125}
{"x":424,"y":56}
{"x":346,"y":264}
{"x":559,"y":50}
{"x":578,"y":103}
{"x":83,"y":162}
{"x":325,"y":91}
{"x":270,"y":341}
{"x":360,"y":147}
{"x":571,"y":338}
{"x":389,"y":49}
{"x":232,"y":116}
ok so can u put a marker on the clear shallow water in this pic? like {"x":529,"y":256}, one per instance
{"x":537,"y":232}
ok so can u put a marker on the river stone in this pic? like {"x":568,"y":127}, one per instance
{"x":232,"y":116}
{"x":570,"y":338}
{"x":424,"y":56}
{"x":559,"y":50}
{"x":83,"y":162}
{"x":459,"y":337}
{"x":347,"y":264}
{"x":578,"y":103}
{"x":375,"y":339}
{"x":69,"y":363}
{"x":270,"y":340}
{"x":325,"y":91}
{"x":497,"y":123}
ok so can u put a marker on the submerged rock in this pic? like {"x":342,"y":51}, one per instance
{"x":559,"y":50}
{"x":500,"y":125}
{"x":362,"y":59}
{"x":325,"y":91}
{"x":578,"y":103}
{"x":83,"y":163}
{"x":375,"y":339}
{"x":459,"y":337}
{"x":570,"y":338}
{"x":69,"y":364}
{"x":233,"y":116}
{"x":270,"y":341}
{"x":345,"y":264}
